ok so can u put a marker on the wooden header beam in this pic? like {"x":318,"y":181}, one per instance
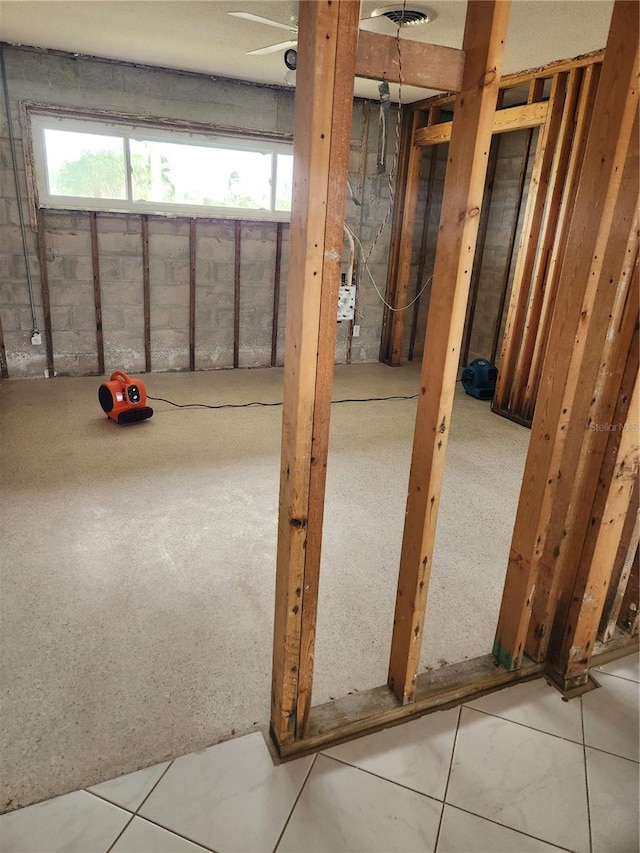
{"x":512,"y":118}
{"x":428,"y":66}
{"x":518,"y":78}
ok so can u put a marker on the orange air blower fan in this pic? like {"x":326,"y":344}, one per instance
{"x":124,"y":399}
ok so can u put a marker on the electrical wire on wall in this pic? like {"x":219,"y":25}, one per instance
{"x":14,"y":162}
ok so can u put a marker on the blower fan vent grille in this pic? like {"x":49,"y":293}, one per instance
{"x":405,"y":16}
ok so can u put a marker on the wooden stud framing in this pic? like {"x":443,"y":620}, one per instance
{"x":534,"y":212}
{"x":609,"y":357}
{"x":540,"y":295}
{"x":504,"y":121}
{"x":192,"y":293}
{"x":494,"y":152}
{"x":433,"y":160}
{"x":4,"y":372}
{"x":44,"y":284}
{"x":324,"y":101}
{"x":577,"y":142}
{"x":626,"y":556}
{"x":464,"y":185}
{"x":401,"y":248}
{"x":276,"y":296}
{"x":146,"y":291}
{"x":504,"y":286}
{"x":629,"y":619}
{"x":583,"y":276}
{"x":520,"y":78}
{"x":379,"y":58}
{"x":236,"y":293}
{"x":95,"y":260}
{"x":588,"y":597}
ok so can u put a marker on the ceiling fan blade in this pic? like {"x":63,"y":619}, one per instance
{"x":257,"y":19}
{"x":273,"y":48}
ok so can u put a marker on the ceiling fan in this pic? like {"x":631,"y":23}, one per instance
{"x":385,"y":20}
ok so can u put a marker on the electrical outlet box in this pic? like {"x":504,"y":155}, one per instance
{"x":347,"y":302}
{"x":36,"y":339}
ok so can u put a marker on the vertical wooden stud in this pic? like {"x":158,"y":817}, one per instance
{"x":588,"y":597}
{"x":584,"y":110}
{"x":433,"y":115}
{"x":276,"y":296}
{"x":402,"y":246}
{"x":327,"y":40}
{"x":606,"y":352}
{"x":95,"y":261}
{"x":504,"y":285}
{"x":483,"y":44}
{"x":494,"y":152}
{"x":529,"y":235}
{"x":236,"y":294}
{"x":626,"y":556}
{"x":540,"y":295}
{"x":4,"y":371}
{"x":146,"y":292}
{"x":44,"y":284}
{"x":584,"y":283}
{"x":192,"y":293}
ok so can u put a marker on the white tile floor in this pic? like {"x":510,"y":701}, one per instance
{"x":516,"y":771}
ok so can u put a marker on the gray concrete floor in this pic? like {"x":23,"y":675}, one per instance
{"x":138,"y":562}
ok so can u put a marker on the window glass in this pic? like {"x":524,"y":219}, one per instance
{"x":85,"y":165}
{"x":284,"y":181}
{"x":82,"y":164}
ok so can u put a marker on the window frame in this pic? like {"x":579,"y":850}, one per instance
{"x":37,"y":117}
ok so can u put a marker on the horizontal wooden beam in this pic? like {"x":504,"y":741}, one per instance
{"x":428,"y":66}
{"x":512,"y":118}
{"x":519,"y":78}
{"x":369,"y":710}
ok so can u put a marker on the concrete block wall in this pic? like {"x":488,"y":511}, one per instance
{"x":63,"y":80}
{"x":494,"y":257}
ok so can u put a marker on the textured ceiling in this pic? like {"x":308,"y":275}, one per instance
{"x":201,"y":36}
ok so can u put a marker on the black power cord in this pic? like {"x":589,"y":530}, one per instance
{"x":258,"y":403}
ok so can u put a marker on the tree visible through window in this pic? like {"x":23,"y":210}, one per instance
{"x":91,"y":165}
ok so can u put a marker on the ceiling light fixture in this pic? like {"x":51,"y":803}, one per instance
{"x":405,"y":16}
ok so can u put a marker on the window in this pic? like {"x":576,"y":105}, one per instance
{"x":81,"y":164}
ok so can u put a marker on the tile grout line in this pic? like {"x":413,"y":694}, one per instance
{"x":506,"y":826}
{"x":153,"y":787}
{"x":302,"y":787}
{"x":525,"y":725}
{"x":174,"y":833}
{"x":120,"y":834}
{"x":614,"y":675}
{"x":446,"y":787}
{"x":382,"y":778}
{"x":612,"y":754}
{"x":586,"y":776}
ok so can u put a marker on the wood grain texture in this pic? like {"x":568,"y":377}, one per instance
{"x":528,"y":247}
{"x":146,"y":291}
{"x":464,"y":186}
{"x":192,"y":292}
{"x":324,"y":99}
{"x":427,"y":66}
{"x":504,"y":121}
{"x":590,"y":238}
{"x":44,"y":287}
{"x":97,"y":301}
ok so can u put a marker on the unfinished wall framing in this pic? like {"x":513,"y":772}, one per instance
{"x":605,"y":322}
{"x":154,"y":314}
